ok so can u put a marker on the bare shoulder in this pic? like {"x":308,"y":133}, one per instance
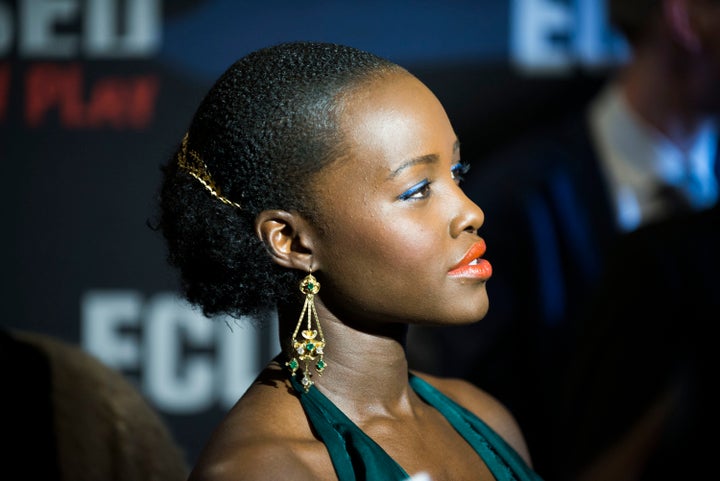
{"x":264,"y":460}
{"x":265,"y":436}
{"x":484,"y":406}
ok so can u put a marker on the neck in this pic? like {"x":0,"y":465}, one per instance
{"x":366,"y":366}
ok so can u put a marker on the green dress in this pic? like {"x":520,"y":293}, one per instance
{"x":355,"y":456}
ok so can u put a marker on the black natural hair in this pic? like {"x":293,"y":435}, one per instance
{"x":264,"y":129}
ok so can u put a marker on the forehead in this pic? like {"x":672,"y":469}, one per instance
{"x":391,"y":120}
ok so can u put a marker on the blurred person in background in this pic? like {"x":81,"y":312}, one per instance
{"x":69,"y":417}
{"x":641,"y":401}
{"x":643,"y":150}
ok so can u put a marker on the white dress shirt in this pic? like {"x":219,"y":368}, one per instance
{"x":638,"y":160}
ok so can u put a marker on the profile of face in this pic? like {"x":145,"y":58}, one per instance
{"x":399,"y":239}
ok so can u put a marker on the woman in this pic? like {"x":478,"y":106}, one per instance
{"x":322,"y":181}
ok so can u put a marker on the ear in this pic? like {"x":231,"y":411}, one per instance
{"x":287,"y":237}
{"x":677,"y":15}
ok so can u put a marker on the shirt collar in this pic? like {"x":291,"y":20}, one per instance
{"x":637,"y":158}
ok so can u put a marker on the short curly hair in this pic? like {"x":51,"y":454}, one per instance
{"x":267,"y":125}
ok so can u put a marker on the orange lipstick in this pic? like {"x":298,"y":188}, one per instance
{"x":472,"y":265}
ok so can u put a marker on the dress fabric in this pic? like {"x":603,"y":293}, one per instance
{"x":356,"y":457}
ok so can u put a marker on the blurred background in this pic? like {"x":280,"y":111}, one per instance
{"x":95,"y":94}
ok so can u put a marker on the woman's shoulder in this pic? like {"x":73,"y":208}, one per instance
{"x":259,"y":460}
{"x":264,"y":436}
{"x":483,"y":405}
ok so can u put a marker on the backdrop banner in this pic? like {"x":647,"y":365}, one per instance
{"x":96,"y":94}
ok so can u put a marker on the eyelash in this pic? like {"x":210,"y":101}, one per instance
{"x":422,"y":187}
{"x":457,"y":171}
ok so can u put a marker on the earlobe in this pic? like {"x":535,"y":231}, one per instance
{"x":286,"y":238}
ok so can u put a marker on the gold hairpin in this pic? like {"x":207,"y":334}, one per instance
{"x":197,"y":168}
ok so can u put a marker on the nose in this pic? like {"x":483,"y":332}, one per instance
{"x":469,"y":217}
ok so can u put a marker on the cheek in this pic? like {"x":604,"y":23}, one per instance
{"x":408,"y":245}
{"x":404,"y":247}
{"x":388,"y":267}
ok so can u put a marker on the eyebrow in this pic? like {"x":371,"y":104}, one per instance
{"x":423,"y":159}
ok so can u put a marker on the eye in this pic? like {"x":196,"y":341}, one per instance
{"x":420,"y":190}
{"x":458,"y":171}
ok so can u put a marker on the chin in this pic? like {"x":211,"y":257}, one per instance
{"x":478,"y":316}
{"x":479,"y":308}
{"x":483,"y":311}
{"x":458,"y":311}
{"x":471,"y":316}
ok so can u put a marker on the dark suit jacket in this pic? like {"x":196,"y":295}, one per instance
{"x":647,"y":334}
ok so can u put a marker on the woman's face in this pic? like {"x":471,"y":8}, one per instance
{"x":396,"y":225}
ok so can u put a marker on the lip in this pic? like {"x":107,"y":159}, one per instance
{"x":480,"y":270}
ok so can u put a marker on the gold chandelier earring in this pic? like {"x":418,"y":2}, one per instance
{"x":308,"y":348}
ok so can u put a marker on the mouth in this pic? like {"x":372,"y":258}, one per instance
{"x":472,"y":265}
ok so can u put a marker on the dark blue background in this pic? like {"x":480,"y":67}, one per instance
{"x":75,"y":201}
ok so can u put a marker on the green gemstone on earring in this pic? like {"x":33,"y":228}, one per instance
{"x":320,"y":365}
{"x":310,"y":346}
{"x":293,"y":364}
{"x":310,"y":286}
